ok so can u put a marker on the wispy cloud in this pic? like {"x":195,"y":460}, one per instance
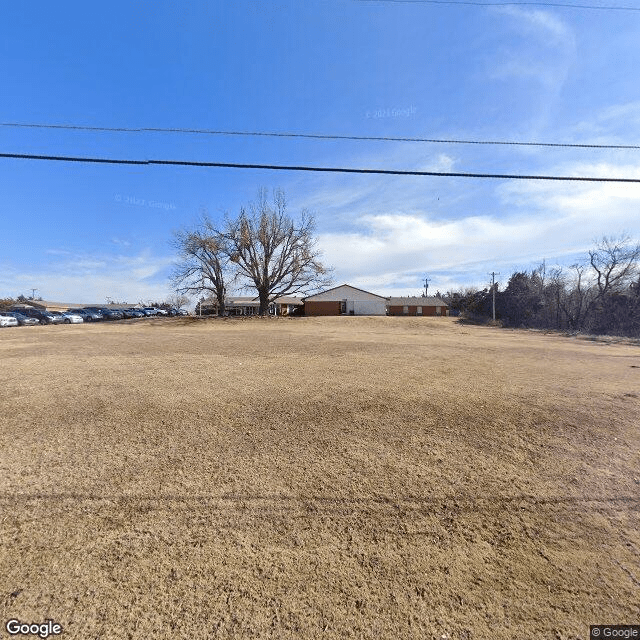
{"x":339,"y":200}
{"x":541,"y":24}
{"x":386,"y":250}
{"x":394,"y":249}
{"x":616,"y":122}
{"x":119,"y":242}
{"x":537,"y":48}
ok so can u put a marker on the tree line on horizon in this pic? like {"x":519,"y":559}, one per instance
{"x":600,"y":295}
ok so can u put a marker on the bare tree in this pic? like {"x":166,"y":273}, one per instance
{"x":578,"y":301}
{"x":555,"y":293}
{"x":204,"y":265}
{"x":273,"y":252}
{"x":615,"y":261}
{"x":178,"y":300}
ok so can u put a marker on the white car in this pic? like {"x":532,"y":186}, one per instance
{"x":8,"y":321}
{"x":72,"y":318}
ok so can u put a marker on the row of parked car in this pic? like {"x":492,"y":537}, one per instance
{"x":22,"y":316}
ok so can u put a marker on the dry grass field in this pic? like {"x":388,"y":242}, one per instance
{"x":318,"y":478}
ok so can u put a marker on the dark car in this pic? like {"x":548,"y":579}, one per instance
{"x":132,"y":313}
{"x":126,"y":313}
{"x":112,"y":314}
{"x":107,"y":314}
{"x":178,"y":312}
{"x":51,"y":318}
{"x":21,"y":318}
{"x":45,"y":317}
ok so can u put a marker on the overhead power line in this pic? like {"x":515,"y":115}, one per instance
{"x":236,"y":165}
{"x":564,"y":5}
{"x":311,"y":136}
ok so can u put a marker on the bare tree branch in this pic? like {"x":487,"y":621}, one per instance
{"x":615,"y":262}
{"x":204,"y":265}
{"x":274,"y":253}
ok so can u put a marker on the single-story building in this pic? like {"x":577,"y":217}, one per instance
{"x":250,"y":306}
{"x":417,"y":306}
{"x":288,"y":305}
{"x":345,"y":300}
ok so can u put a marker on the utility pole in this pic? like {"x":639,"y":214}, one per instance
{"x":33,"y":294}
{"x":426,"y":286}
{"x":493,"y":288}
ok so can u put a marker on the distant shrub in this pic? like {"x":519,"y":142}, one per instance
{"x":6,"y":303}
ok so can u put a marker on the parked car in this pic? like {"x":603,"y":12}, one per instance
{"x":107,"y":314}
{"x":71,"y":317}
{"x":51,"y":318}
{"x":88,"y":315}
{"x":133,"y":313}
{"x":112,"y":314}
{"x":150,"y":311}
{"x":21,"y":318}
{"x":174,"y":311}
{"x":7,"y":320}
{"x":163,"y":312}
{"x":45,"y":317}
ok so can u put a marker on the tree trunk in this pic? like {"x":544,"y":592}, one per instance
{"x":264,"y":302}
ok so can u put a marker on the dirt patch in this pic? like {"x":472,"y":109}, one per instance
{"x":318,"y":477}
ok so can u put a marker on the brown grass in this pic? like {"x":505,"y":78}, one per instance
{"x":318,"y":478}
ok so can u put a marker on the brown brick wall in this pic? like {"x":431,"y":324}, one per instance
{"x":426,"y":311}
{"x":322,"y":308}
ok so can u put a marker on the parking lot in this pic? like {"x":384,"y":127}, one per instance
{"x":21,"y":316}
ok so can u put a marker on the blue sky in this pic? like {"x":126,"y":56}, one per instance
{"x":83,"y":233}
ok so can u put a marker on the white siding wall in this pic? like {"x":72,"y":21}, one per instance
{"x":359,"y":303}
{"x":369,"y":307}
